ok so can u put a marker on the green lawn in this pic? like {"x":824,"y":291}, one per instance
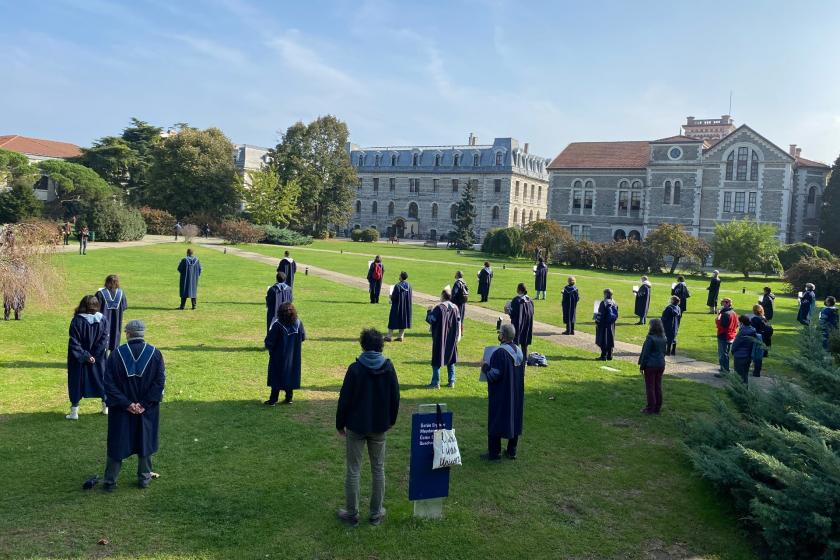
{"x":430,"y":269}
{"x":595,"y":478}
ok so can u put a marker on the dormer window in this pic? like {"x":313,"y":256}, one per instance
{"x":393,"y":160}
{"x":437,"y":160}
{"x":415,"y":159}
{"x":377,"y":160}
{"x":498,"y":159}
{"x":457,"y":160}
{"x":475,"y":160}
{"x":361,"y":160}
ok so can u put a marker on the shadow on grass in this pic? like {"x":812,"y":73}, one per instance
{"x":25,"y":364}
{"x":204,"y":348}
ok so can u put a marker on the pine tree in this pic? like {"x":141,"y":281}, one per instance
{"x":465,"y":218}
{"x":829,"y":224}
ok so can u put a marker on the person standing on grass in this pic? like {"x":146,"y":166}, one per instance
{"x":283,"y":342}
{"x":368,"y":405}
{"x":569,"y":302}
{"x":288,"y":266}
{"x":829,"y":319}
{"x":190,"y":270}
{"x":540,"y":278}
{"x":86,"y":350}
{"x":505,"y":395}
{"x":714,"y":291}
{"x":66,"y":232}
{"x":445,"y":323}
{"x":521,"y":312}
{"x":671,"y":325}
{"x":652,"y":365}
{"x":460,"y":295}
{"x":134,"y":381}
{"x":84,"y":234}
{"x":807,"y":305}
{"x":605,"y":320}
{"x":112,"y":304}
{"x":726,"y":323}
{"x":643,"y":300}
{"x":767,"y":300}
{"x":485,"y":278}
{"x":277,"y":295}
{"x":743,"y":347}
{"x":399,"y":318}
{"x":178,"y":229}
{"x":763,"y":328}
{"x":376,"y":271}
{"x":681,"y":291}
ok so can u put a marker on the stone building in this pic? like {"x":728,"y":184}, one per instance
{"x":412,"y":191}
{"x":249,"y":158}
{"x":37,"y":150}
{"x":615,"y":190}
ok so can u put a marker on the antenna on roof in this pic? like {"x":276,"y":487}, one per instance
{"x":730,"y":102}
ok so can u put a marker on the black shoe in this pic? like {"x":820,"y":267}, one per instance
{"x":347,"y":519}
{"x":181,"y":308}
{"x":488,"y":457}
{"x":511,"y":456}
{"x":270,"y":402}
{"x":287,"y":401}
{"x":565,"y":332}
{"x":602,"y":358}
{"x":451,"y":384}
{"x":143,"y":484}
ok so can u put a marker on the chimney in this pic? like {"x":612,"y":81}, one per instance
{"x":526,"y":147}
{"x":689,"y":121}
{"x":792,"y":150}
{"x":472,"y":139}
{"x":798,"y":152}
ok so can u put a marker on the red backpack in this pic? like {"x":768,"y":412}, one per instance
{"x":377,"y":271}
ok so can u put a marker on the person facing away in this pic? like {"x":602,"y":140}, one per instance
{"x":569,"y":302}
{"x":283,"y":342}
{"x":134,"y":381}
{"x":178,"y":229}
{"x":376,"y":271}
{"x":652,"y":365}
{"x":86,"y":349}
{"x":829,"y":319}
{"x":807,"y":304}
{"x":642,"y":300}
{"x":743,"y":347}
{"x":84,"y":234}
{"x":605,"y":320}
{"x":521,"y":312}
{"x":671,"y":325}
{"x":767,"y":301}
{"x":65,"y":230}
{"x":460,"y":295}
{"x":190,"y":270}
{"x":288,"y":267}
{"x":714,"y":291}
{"x":681,"y":291}
{"x":726,"y":324}
{"x":505,"y":395}
{"x":485,"y":278}
{"x":368,"y":404}
{"x":112,"y":304}
{"x":540,"y":278}
{"x":762,"y":327}
{"x":277,"y":295}
{"x":399,"y":318}
{"x":445,"y":323}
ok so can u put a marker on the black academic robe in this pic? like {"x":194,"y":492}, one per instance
{"x":190,"y":269}
{"x":445,"y":322}
{"x":605,"y":324}
{"x":767,"y":301}
{"x":541,"y":277}
{"x":681,"y":291}
{"x":277,"y":295}
{"x":87,"y":338}
{"x":569,"y":302}
{"x":671,"y":322}
{"x":283,"y":343}
{"x":714,"y":291}
{"x":806,"y":307}
{"x":460,"y":295}
{"x":505,"y":392}
{"x":522,"y":316}
{"x":400,"y":316}
{"x":135,"y":374}
{"x":288,"y":267}
{"x":642,"y":301}
{"x":112,"y":305}
{"x":485,"y":278}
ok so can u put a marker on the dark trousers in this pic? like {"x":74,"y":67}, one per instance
{"x":494,"y":446}
{"x":375,"y":288}
{"x":275,"y":394}
{"x":742,"y":368}
{"x":483,"y":297}
{"x":757,"y":368}
{"x":653,"y":388}
{"x":184,"y":301}
{"x":67,"y":239}
{"x":144,"y":470}
{"x":570,"y":328}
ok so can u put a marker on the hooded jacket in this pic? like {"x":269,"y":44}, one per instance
{"x":370,"y":396}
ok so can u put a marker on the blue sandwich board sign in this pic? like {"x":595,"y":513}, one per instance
{"x":424,"y":483}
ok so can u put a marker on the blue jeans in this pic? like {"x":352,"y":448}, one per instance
{"x":450,"y":369}
{"x":724,"y":348}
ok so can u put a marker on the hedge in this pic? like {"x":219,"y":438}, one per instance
{"x":825,"y":275}
{"x":274,"y":235}
{"x":111,"y":221}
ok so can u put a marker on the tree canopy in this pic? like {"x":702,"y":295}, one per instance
{"x":747,"y":246}
{"x":673,"y":240}
{"x":547,"y":235}
{"x":77,"y":187}
{"x":268,"y":201}
{"x":829,"y":224}
{"x":15,"y":169}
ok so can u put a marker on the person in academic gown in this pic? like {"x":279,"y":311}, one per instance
{"x":767,"y":301}
{"x":86,"y":350}
{"x":288,"y":267}
{"x":807,"y":304}
{"x":829,"y":319}
{"x":569,"y":302}
{"x":540,"y":278}
{"x":134,"y":381}
{"x":460,"y":295}
{"x":643,"y":301}
{"x":445,"y":323}
{"x":190,"y":270}
{"x":521,"y":312}
{"x":112,"y":304}
{"x":283,"y":342}
{"x":681,"y":291}
{"x":376,"y":272}
{"x":399,"y":318}
{"x":485,"y":278}
{"x":671,"y":324}
{"x":605,"y":325}
{"x":714,"y":291}
{"x":505,"y":395}
{"x":277,"y":295}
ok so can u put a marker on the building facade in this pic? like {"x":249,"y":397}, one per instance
{"x":413,"y":191}
{"x":615,"y":190}
{"x":249,"y":158}
{"x":37,"y":150}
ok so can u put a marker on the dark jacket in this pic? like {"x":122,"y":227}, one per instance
{"x":742,"y":346}
{"x":653,"y":352}
{"x":369,"y":400}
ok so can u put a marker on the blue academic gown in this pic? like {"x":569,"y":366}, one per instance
{"x":642,"y":301}
{"x":284,"y":344}
{"x":505,"y":392}
{"x":541,"y":277}
{"x":681,"y":291}
{"x":671,"y":322}
{"x":288,"y":267}
{"x":806,"y":307}
{"x":485,"y":278}
{"x":400,"y":315}
{"x":190,"y":269}
{"x":277,"y":295}
{"x":112,"y":305}
{"x":829,"y":322}
{"x":135,"y":374}
{"x":605,"y":324}
{"x":88,"y":337}
{"x":445,"y":322}
{"x":522,"y":318}
{"x":767,"y":302}
{"x":570,"y":299}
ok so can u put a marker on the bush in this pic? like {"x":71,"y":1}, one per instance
{"x":240,"y":231}
{"x":825,"y":275}
{"x":18,"y":204}
{"x":111,"y":221}
{"x":274,"y":235}
{"x":189,"y":232}
{"x":505,"y":241}
{"x":791,"y":254}
{"x":630,"y":256}
{"x":355,"y":234}
{"x":204,"y":218}
{"x":582,"y":254}
{"x":368,"y":235}
{"x":158,"y":222}
{"x":823,"y":253}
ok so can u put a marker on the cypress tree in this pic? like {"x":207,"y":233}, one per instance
{"x":465,"y":218}
{"x":829,"y":224}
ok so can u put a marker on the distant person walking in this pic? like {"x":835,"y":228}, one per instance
{"x":767,"y":301}
{"x":84,"y":234}
{"x":66,"y":230}
{"x":652,"y":365}
{"x":829,"y":319}
{"x":505,"y":395}
{"x":714,"y":291}
{"x":605,"y":320}
{"x":521,"y":312}
{"x":807,"y":305}
{"x":86,"y":349}
{"x":642,"y":300}
{"x":376,"y":271}
{"x":283,"y":342}
{"x":681,"y":291}
{"x":540,"y":278}
{"x":485,"y":278}
{"x":726,"y":323}
{"x":190,"y":269}
{"x":178,"y":228}
{"x":569,"y":302}
{"x":671,"y":325}
{"x":445,"y":323}
{"x":460,"y":295}
{"x":399,"y":319}
{"x":288,"y":266}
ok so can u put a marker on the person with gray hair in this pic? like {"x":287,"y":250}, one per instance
{"x":807,"y":304}
{"x":505,"y":395}
{"x":134,"y":379}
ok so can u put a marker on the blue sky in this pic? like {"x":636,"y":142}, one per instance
{"x":430,"y":72}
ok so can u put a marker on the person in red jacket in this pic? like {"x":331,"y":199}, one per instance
{"x":727,"y":327}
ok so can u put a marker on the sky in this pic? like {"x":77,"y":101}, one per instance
{"x":423,"y":72}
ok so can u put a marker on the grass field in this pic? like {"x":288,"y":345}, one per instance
{"x":430,"y":269}
{"x":595,"y":478}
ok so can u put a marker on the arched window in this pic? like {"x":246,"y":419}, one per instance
{"x":539,"y":194}
{"x":623,"y":185}
{"x":358,"y":207}
{"x":730,"y":163}
{"x":741,"y":169}
{"x":637,"y":184}
{"x":373,"y":207}
{"x":415,"y":159}
{"x":453,"y":212}
{"x":434,"y":210}
{"x":538,"y":215}
{"x":667,"y":198}
{"x":812,"y":195}
{"x":811,"y":208}
{"x":391,"y":208}
{"x":475,"y":160}
{"x":523,"y":218}
{"x":495,"y":214}
{"x":437,"y":160}
{"x":457,"y":160}
{"x":498,"y":158}
{"x":357,"y":226}
{"x":634,"y":235}
{"x":577,"y":184}
{"x":393,"y":160}
{"x":754,"y":167}
{"x":361,"y":160}
{"x":412,"y":210}
{"x":619,"y":235}
{"x":532,"y":192}
{"x":516,"y":191}
{"x":675,"y":196}
{"x":515,"y":215}
{"x":377,"y":159}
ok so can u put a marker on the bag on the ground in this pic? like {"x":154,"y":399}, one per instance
{"x":445,"y":444}
{"x":537,"y":359}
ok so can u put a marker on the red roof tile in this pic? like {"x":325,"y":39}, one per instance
{"x":38,"y":147}
{"x":603,"y":155}
{"x":679,"y":139}
{"x":802,"y":162}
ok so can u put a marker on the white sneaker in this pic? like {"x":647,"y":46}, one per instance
{"x":74,"y":413}
{"x":104,"y":408}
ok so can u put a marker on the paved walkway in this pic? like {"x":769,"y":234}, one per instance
{"x":73,"y":247}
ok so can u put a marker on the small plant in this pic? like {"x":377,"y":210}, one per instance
{"x":240,"y":231}
{"x":189,"y":231}
{"x":158,"y":222}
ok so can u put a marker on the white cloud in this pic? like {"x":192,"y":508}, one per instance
{"x":209,"y":48}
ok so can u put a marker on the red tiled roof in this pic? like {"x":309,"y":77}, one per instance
{"x":802,"y":162}
{"x":603,"y":155}
{"x":679,"y":139}
{"x":38,"y":147}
